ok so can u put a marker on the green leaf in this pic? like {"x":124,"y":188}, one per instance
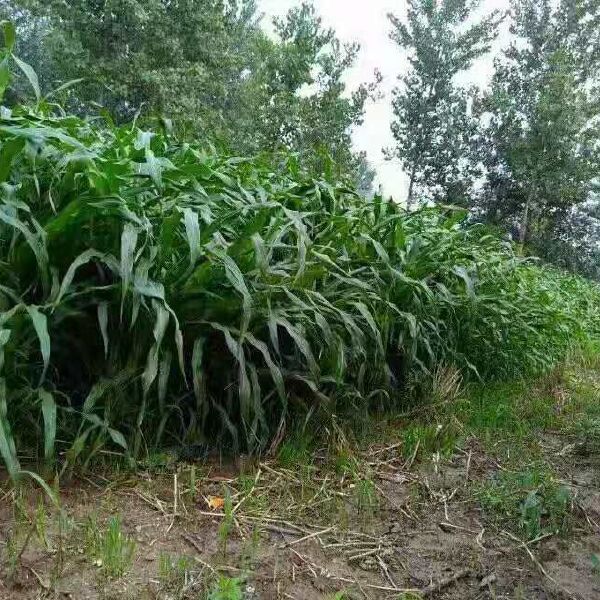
{"x":198,"y":374}
{"x":164,"y":372}
{"x":236,"y":278}
{"x":47,"y":489}
{"x":63,"y":87}
{"x":10,"y":149}
{"x":10,"y":37}
{"x":49,"y":414}
{"x":192,"y":231}
{"x":34,"y":241}
{"x":118,"y":438}
{"x":82,"y":259}
{"x":40,"y":324}
{"x":302,"y":345}
{"x":129,"y":239}
{"x":7,"y":443}
{"x":4,"y":337}
{"x":273,"y":368}
{"x":31,"y":76}
{"x":366,"y":313}
{"x":160,"y":326}
{"x":153,"y":168}
{"x":5,"y":77}
{"x":103,"y":323}
{"x":464,"y":275}
{"x":78,"y":445}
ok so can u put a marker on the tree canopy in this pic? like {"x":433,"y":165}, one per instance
{"x":543,"y":129}
{"x":208,"y":67}
{"x":433,"y":127}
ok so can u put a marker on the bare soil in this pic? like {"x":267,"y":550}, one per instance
{"x":309,"y":537}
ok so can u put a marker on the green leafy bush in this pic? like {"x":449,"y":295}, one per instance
{"x":155,"y":293}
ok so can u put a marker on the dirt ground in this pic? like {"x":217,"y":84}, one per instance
{"x":423,"y":534}
{"x":441,"y":518}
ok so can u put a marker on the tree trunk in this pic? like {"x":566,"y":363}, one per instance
{"x":411,"y":186}
{"x":525,"y":219}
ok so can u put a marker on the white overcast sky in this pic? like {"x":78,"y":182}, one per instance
{"x":366,"y":22}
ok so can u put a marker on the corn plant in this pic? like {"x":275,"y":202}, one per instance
{"x":155,"y":292}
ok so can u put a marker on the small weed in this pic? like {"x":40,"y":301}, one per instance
{"x":346,"y":464}
{"x":16,"y":544}
{"x":295,"y":451}
{"x":64,"y":527}
{"x":226,"y":525}
{"x":514,"y":409}
{"x":20,"y":535}
{"x":341,"y":595}
{"x":172,"y":571}
{"x":227,"y":588}
{"x":529,"y":501}
{"x":596,"y":564}
{"x":252,"y":501}
{"x":588,"y":432}
{"x":160,"y":462}
{"x":41,"y":523}
{"x":250,"y":550}
{"x":245,"y":484}
{"x":112,"y":550}
{"x":11,"y":552}
{"x":195,"y":475}
{"x":428,"y":439}
{"x":92,"y":536}
{"x":365,"y":496}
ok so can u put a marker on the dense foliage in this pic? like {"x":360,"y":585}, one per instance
{"x":434,"y":128}
{"x":543,"y":132}
{"x":153,"y":293}
{"x":207,"y":66}
{"x":524,"y":153}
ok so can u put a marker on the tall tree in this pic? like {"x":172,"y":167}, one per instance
{"x":433,"y":127}
{"x":543,"y":132}
{"x":209,"y":66}
{"x":295,"y":95}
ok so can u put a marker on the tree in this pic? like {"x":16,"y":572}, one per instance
{"x":543,"y":131}
{"x":210,"y":68}
{"x":295,"y":96}
{"x":433,"y":127}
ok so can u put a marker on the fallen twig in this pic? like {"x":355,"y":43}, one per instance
{"x":444,"y":525}
{"x":307,"y":537}
{"x":386,"y":571}
{"x":386,"y":449}
{"x":468,"y":467}
{"x":249,"y":493}
{"x":175,"y":497}
{"x":536,"y":562}
{"x":190,"y":540}
{"x":410,"y":462}
{"x":306,"y":562}
{"x":432,"y":588}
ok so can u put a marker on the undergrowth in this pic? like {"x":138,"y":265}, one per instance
{"x":529,"y":500}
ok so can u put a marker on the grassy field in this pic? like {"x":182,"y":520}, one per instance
{"x":492,"y":492}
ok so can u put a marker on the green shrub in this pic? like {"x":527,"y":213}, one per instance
{"x":155,"y":293}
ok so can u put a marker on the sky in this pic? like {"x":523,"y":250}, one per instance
{"x":366,"y":22}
